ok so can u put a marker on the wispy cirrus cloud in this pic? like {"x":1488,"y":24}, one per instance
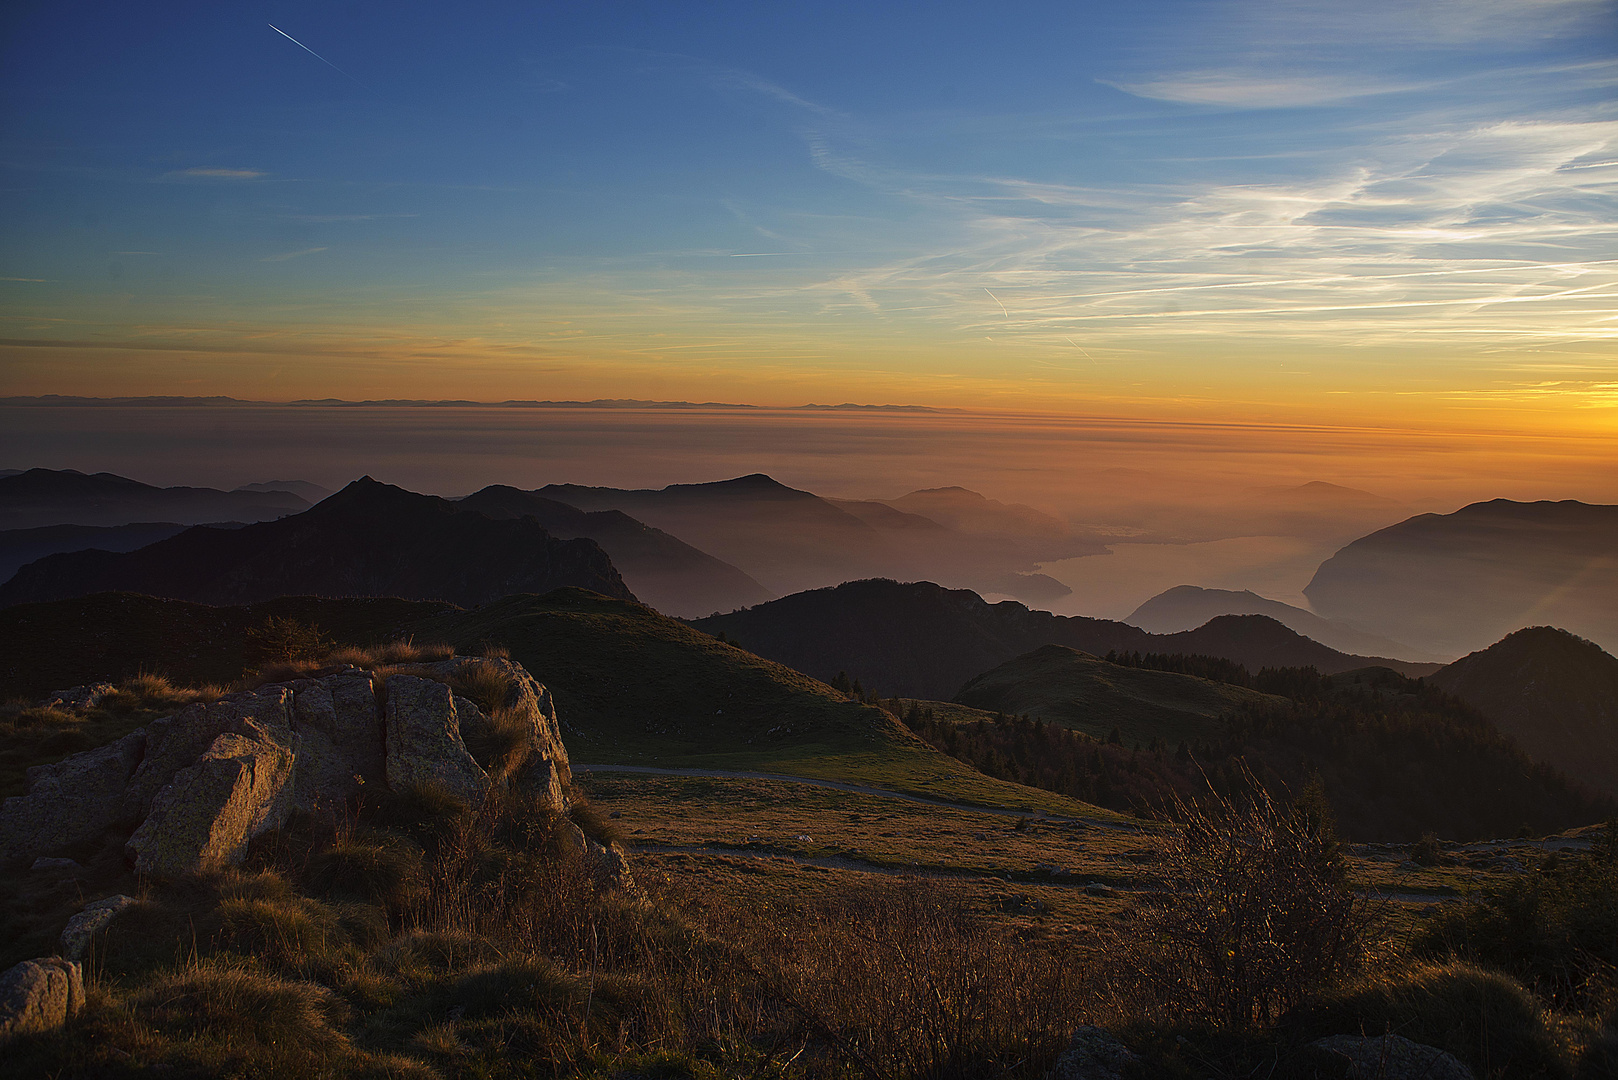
{"x":284,"y":256}
{"x":219,"y":174}
{"x":1261,"y":90}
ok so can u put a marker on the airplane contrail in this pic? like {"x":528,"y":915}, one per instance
{"x":996,"y":299}
{"x":317,"y":56}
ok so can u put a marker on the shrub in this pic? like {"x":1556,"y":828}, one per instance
{"x":1485,"y":1018}
{"x":238,"y":1007}
{"x":1250,"y":913}
{"x":371,"y":866}
{"x":1555,"y":929}
{"x":287,"y":933}
{"x":286,"y":640}
{"x":1427,"y":851}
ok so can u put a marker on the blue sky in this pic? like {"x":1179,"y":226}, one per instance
{"x":1356,"y":209}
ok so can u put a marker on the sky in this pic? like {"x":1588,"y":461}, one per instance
{"x":1384,"y":212}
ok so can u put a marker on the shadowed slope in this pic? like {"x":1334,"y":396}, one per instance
{"x":1554,"y":693}
{"x":369,"y":539}
{"x":920,"y":640}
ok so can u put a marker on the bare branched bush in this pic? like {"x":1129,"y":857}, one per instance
{"x":905,"y":980}
{"x":1250,"y":914}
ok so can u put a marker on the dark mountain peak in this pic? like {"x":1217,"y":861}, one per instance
{"x":373,"y":497}
{"x":1554,"y":692}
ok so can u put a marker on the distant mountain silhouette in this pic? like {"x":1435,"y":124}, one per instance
{"x":664,"y":571}
{"x":1554,"y":693}
{"x":922,"y":640}
{"x":18,"y":547}
{"x":783,"y":538}
{"x":1186,"y":607}
{"x":791,"y":540}
{"x":303,"y":489}
{"x":40,"y":497}
{"x":1076,"y":690}
{"x":1453,"y":583}
{"x":369,"y":539}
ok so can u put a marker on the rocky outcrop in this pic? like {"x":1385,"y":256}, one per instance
{"x":82,"y":928}
{"x":176,"y":742}
{"x":195,"y":788}
{"x":39,"y":995}
{"x":72,"y":801}
{"x":1094,"y":1054}
{"x":1390,"y":1057}
{"x":542,"y":770}
{"x":424,"y":744}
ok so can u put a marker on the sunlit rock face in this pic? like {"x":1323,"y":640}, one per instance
{"x":195,"y":788}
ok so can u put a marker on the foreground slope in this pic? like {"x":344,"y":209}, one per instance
{"x":39,"y":497}
{"x":662,"y":570}
{"x":1554,"y":693}
{"x":370,"y":539}
{"x":1454,"y":583}
{"x":921,"y":640}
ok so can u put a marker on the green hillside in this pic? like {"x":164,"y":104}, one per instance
{"x":632,"y":687}
{"x":1075,"y":690}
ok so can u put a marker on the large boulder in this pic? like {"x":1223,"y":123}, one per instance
{"x":82,"y":928}
{"x":39,"y":995}
{"x":70,"y":802}
{"x":1390,"y":1057}
{"x":176,"y":742}
{"x":340,"y":742}
{"x":240,"y":787}
{"x":424,"y":745}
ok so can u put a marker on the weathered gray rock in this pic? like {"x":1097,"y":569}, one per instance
{"x":82,"y":928}
{"x":203,"y":820}
{"x":70,"y":802}
{"x":340,"y":742}
{"x":39,"y":995}
{"x":545,"y":772}
{"x":78,"y":698}
{"x":424,"y":745}
{"x":608,"y":865}
{"x":1391,"y":1057}
{"x":176,"y":742}
{"x":65,"y":866}
{"x":1093,"y":1054}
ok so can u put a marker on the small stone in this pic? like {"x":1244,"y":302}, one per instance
{"x":1097,"y":888}
{"x":45,"y":863}
{"x":78,"y":698}
{"x":84,"y":926}
{"x":39,"y":995}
